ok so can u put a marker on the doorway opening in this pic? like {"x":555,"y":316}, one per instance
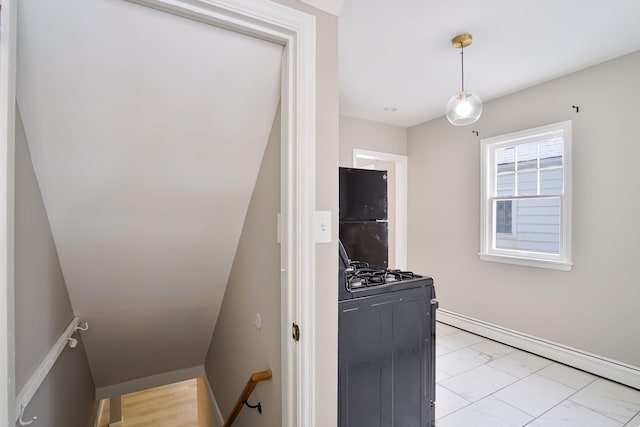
{"x":270,"y":21}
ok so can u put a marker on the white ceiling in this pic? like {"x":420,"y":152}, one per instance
{"x":146,"y":132}
{"x":399,"y":54}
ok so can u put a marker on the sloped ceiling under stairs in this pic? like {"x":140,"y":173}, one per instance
{"x":146,"y":132}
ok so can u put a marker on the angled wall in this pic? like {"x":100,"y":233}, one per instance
{"x":42,"y":308}
{"x":237,"y":348}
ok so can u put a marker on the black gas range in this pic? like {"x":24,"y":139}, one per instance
{"x":386,"y":347}
{"x":357,"y":279}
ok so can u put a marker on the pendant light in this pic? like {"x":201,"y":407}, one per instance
{"x":463,"y":108}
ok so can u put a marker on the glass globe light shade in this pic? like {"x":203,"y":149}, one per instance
{"x":463,"y":108}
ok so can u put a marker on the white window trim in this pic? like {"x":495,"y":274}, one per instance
{"x":563,"y":261}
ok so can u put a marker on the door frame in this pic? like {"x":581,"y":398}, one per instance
{"x":294,"y":30}
{"x":8,"y":35}
{"x":401,"y":162}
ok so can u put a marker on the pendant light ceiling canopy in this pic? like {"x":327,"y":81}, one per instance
{"x":463,"y":108}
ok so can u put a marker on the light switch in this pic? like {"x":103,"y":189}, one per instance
{"x":322,"y":226}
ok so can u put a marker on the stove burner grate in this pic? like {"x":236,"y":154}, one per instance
{"x":361,"y":275}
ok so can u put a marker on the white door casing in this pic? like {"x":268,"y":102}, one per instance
{"x":8,"y":34}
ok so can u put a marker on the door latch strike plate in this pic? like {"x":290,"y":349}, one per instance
{"x":295,"y":332}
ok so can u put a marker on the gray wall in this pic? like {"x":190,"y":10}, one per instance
{"x":42,"y":308}
{"x":237,"y":349}
{"x":368,"y":135}
{"x":594,"y":307}
{"x":65,"y":398}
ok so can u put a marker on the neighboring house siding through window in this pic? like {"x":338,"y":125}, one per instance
{"x":504,"y":217}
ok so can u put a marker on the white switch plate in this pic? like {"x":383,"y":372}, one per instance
{"x":322,"y":226}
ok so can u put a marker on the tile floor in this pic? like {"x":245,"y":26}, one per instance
{"x":482,"y":383}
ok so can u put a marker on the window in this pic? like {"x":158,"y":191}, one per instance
{"x":526,"y":197}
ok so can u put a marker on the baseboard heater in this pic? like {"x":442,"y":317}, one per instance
{"x":599,"y":365}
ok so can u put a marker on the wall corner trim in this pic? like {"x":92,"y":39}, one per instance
{"x":151,"y":381}
{"x":216,"y":409}
{"x":599,"y":365}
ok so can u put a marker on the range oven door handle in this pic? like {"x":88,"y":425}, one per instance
{"x":432,"y":370}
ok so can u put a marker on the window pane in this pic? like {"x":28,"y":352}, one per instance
{"x":528,"y":156}
{"x":551,"y":152}
{"x":535,"y":226}
{"x":505,"y":158}
{"x":503,"y":216}
{"x":506,"y":185}
{"x":551,"y":181}
{"x":528,"y":183}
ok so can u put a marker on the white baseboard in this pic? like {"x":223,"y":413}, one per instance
{"x":214,"y":402}
{"x":602,"y":366}
{"x":149,"y":382}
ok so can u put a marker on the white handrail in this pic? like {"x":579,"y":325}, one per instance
{"x":31,"y":387}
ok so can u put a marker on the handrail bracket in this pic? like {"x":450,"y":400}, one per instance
{"x":243,"y":400}
{"x":257,"y":406}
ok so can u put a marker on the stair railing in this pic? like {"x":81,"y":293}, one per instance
{"x":255,"y":378}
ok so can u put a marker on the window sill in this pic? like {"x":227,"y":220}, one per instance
{"x":529,"y":262}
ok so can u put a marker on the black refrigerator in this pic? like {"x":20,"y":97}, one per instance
{"x":363,"y":216}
